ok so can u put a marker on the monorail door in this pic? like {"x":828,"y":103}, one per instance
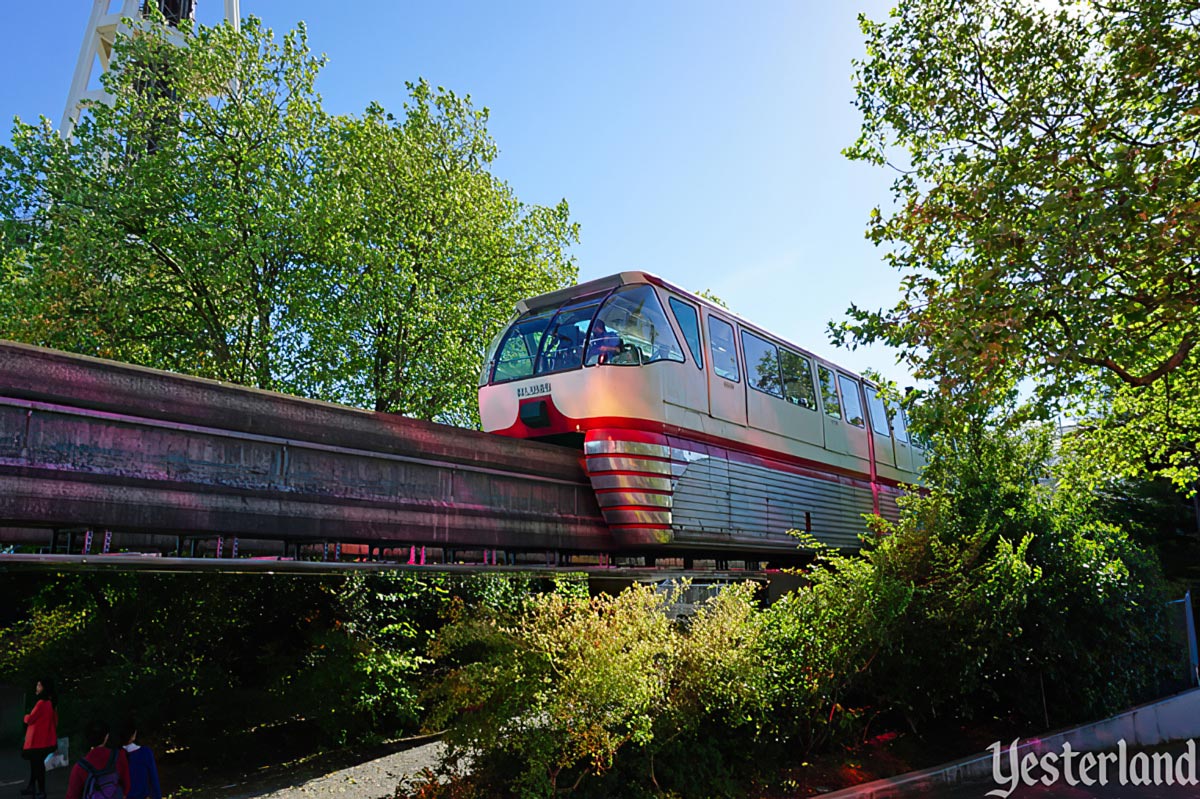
{"x":726,"y":378}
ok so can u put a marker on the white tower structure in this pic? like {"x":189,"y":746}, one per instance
{"x":104,"y":24}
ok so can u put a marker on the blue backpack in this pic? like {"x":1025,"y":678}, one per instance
{"x":102,"y":783}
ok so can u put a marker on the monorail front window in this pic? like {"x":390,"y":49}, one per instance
{"x":519,"y":348}
{"x":632,"y":329}
{"x":562,"y":345}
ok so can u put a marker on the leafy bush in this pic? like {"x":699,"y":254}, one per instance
{"x":1018,"y":593}
{"x":992,"y":596}
{"x":548,"y":700}
{"x":224,"y":664}
{"x":823,"y":640}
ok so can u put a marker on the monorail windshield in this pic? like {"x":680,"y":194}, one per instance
{"x":626,"y":327}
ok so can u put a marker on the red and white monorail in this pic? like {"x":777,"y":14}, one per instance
{"x":700,"y":431}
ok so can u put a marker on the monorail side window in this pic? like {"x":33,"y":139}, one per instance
{"x":879,"y":415}
{"x":798,"y":386}
{"x":899,"y":428}
{"x":519,"y":347}
{"x":689,"y":323}
{"x":762,"y":364}
{"x":632,"y":329}
{"x":852,"y":401}
{"x":724,"y":352}
{"x":562,"y":343}
{"x":829,"y":396}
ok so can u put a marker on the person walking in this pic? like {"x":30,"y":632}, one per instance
{"x":143,"y":771}
{"x":41,"y":737}
{"x":103,"y":771}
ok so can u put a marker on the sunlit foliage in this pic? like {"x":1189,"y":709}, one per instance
{"x":215,"y":219}
{"x":1045,"y":213}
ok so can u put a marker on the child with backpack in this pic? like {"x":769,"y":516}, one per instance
{"x":102,"y":773}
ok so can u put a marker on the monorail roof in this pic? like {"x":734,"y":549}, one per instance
{"x":561,"y":296}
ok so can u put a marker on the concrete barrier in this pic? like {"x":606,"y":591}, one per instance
{"x":87,"y":443}
{"x":1175,"y":718}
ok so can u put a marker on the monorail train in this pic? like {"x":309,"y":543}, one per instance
{"x":699,"y":430}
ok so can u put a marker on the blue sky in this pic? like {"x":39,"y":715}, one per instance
{"x":698,"y":140}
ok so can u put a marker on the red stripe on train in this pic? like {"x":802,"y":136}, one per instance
{"x":646,"y":431}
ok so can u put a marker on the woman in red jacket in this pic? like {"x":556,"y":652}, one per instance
{"x":41,"y":737}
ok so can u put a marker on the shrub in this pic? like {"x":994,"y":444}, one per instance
{"x":590,"y":694}
{"x":226,"y":664}
{"x":991,"y":592}
{"x":1017,"y":592}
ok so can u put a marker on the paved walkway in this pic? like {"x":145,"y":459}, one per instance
{"x":374,"y":779}
{"x":367,"y":780}
{"x":14,"y":775}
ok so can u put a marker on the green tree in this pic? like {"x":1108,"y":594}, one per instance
{"x":1046,"y":210}
{"x":822,"y":640}
{"x":216,"y":220}
{"x":431,"y":252}
{"x":167,"y":232}
{"x":709,"y":295}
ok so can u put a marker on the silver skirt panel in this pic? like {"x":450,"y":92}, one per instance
{"x":696,"y":500}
